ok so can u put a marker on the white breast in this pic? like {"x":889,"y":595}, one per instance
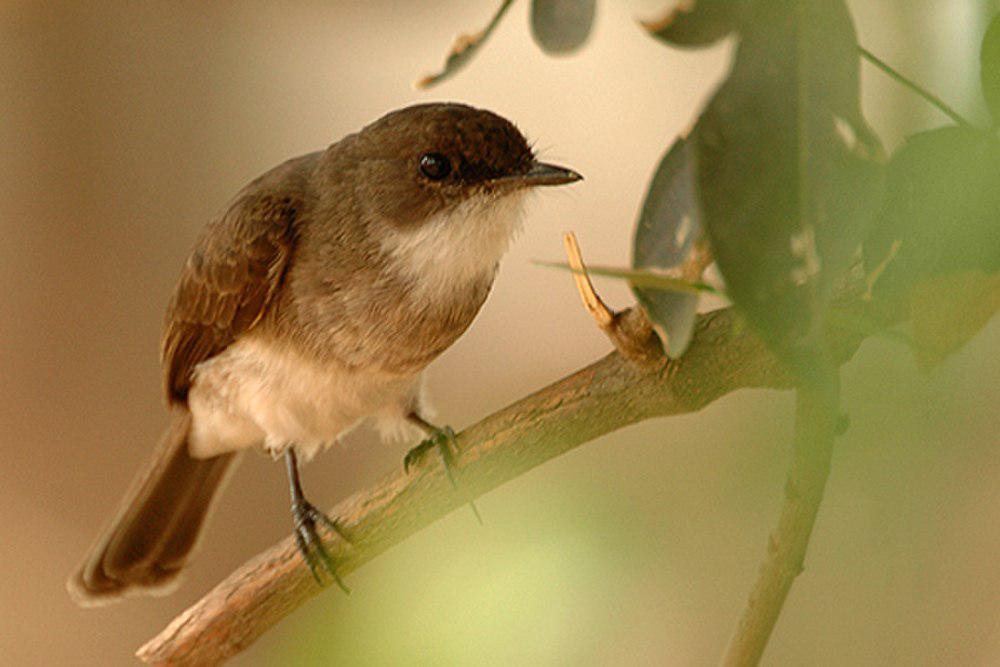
{"x":257,"y":393}
{"x":457,"y":247}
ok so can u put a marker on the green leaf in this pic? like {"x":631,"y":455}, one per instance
{"x":696,"y":23}
{"x":989,"y":58}
{"x":667,"y":236}
{"x":464,"y":48}
{"x":936,"y":247}
{"x":787,"y":168}
{"x":947,"y":311}
{"x":941,"y":212}
{"x":858,"y":323}
{"x":562,"y":26}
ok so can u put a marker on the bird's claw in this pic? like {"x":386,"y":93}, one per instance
{"x":442,"y":439}
{"x":310,"y":545}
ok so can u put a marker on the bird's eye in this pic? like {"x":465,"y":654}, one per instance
{"x":434,"y":166}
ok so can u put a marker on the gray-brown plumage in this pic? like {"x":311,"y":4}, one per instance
{"x":314,"y":302}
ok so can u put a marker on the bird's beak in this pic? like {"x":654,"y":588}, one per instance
{"x":545,"y":174}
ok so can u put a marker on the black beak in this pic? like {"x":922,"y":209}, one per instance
{"x":545,"y":174}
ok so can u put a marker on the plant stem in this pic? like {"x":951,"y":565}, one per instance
{"x":933,"y":99}
{"x":815,"y":431}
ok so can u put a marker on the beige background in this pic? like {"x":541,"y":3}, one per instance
{"x":125,"y":126}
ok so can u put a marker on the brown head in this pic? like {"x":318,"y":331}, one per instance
{"x":429,"y":158}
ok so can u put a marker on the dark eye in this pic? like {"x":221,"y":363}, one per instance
{"x":434,"y":166}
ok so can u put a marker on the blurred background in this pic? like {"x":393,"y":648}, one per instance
{"x":126,"y":126}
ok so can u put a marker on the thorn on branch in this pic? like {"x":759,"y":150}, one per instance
{"x":630,"y":330}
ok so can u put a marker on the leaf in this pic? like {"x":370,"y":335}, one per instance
{"x":666,"y":238}
{"x":464,"y":48}
{"x":989,"y":72}
{"x":851,"y":320}
{"x":936,"y":247}
{"x":561,"y":26}
{"x":648,"y":278}
{"x":696,"y":23}
{"x":787,"y":167}
{"x":947,"y":311}
{"x":941,"y":212}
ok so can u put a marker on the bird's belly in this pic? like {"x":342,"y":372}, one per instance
{"x":259,"y":393}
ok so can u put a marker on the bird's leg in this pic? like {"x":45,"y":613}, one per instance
{"x":306,"y":516}
{"x":442,"y":439}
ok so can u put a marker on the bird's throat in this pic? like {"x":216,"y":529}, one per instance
{"x":455,"y":249}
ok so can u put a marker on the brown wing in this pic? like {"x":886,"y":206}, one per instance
{"x":227,"y":285}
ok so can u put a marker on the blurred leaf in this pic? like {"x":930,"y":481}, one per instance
{"x":464,"y":48}
{"x":648,"y":278}
{"x":668,"y":230}
{"x":936,"y":247}
{"x":947,"y":311}
{"x":696,"y":23}
{"x":670,"y":220}
{"x":941,"y":212}
{"x":561,"y":26}
{"x":989,"y":59}
{"x":851,"y":320}
{"x":787,"y":168}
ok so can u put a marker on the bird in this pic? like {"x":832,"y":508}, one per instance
{"x":312,"y":304}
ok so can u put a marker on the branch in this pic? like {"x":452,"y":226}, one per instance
{"x":816,"y":415}
{"x":607,"y":395}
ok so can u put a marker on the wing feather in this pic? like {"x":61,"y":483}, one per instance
{"x":227,"y":285}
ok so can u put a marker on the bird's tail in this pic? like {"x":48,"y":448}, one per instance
{"x":157,"y":528}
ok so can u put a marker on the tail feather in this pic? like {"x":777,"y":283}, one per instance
{"x":157,"y":528}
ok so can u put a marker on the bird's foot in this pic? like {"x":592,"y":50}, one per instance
{"x":314,"y":553}
{"x":442,"y":439}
